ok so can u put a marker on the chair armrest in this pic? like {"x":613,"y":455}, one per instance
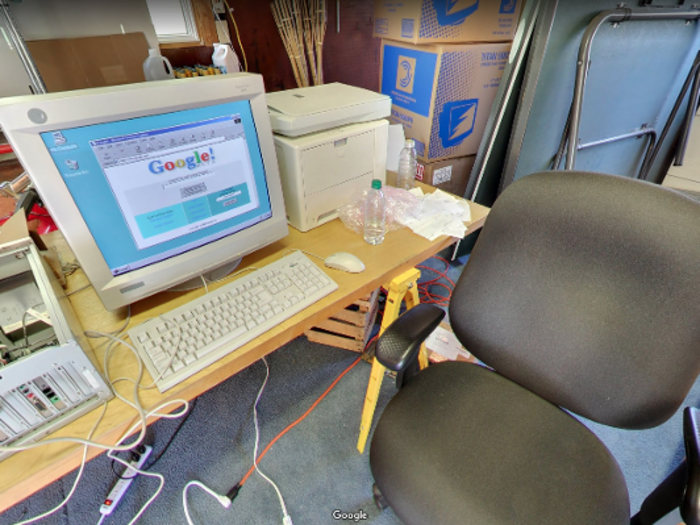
{"x":690,"y":506}
{"x":400,"y":343}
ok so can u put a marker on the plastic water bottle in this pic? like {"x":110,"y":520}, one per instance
{"x":375,"y":214}
{"x":407,"y":166}
{"x":157,"y":67}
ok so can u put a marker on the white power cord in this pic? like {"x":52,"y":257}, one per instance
{"x":77,"y":478}
{"x":204,"y":281}
{"x":286,"y":520}
{"x":223,"y":500}
{"x":304,"y":252}
{"x":156,"y":475}
{"x":142,"y":422}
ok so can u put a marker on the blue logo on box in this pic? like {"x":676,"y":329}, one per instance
{"x":454,"y":12}
{"x":408,"y":76}
{"x":405,"y":74}
{"x":457,"y":121}
{"x":508,"y":7}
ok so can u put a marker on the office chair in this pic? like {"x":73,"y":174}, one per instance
{"x":583,"y":295}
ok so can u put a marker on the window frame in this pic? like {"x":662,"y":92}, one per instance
{"x":199,"y":19}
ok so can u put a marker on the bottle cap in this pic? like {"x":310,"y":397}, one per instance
{"x":376,"y":184}
{"x":410,"y":143}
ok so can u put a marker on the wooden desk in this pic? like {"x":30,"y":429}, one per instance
{"x":27,"y":472}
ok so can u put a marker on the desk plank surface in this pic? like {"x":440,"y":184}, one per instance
{"x":27,"y":472}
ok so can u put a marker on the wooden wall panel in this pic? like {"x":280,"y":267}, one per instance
{"x":350,"y":56}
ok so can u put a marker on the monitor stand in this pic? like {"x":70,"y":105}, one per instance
{"x":211,"y":276}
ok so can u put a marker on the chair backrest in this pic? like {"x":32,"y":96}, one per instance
{"x":585,"y":289}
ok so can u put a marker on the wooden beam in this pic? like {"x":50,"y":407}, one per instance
{"x":206,"y":25}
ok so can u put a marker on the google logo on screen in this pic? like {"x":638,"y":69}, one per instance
{"x":194,"y":161}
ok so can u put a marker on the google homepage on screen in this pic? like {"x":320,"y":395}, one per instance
{"x":154,"y":187}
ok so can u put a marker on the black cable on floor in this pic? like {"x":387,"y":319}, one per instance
{"x":167,"y":445}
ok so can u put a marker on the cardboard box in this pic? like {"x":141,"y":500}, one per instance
{"x":447,"y":21}
{"x":449,"y":175}
{"x":96,"y":61}
{"x":442,"y":94}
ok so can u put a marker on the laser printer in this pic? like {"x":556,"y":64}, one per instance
{"x":331,"y":140}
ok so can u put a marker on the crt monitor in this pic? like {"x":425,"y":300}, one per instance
{"x":155,"y":183}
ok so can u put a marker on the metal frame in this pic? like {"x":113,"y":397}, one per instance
{"x":506,"y":95}
{"x":535,"y":59}
{"x":648,"y":156}
{"x":8,"y":21}
{"x":614,"y":16}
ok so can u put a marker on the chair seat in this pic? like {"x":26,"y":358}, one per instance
{"x":491,"y":453}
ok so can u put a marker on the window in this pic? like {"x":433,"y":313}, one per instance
{"x":183,"y":22}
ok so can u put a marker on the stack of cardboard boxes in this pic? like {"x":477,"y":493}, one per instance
{"x":441,"y":64}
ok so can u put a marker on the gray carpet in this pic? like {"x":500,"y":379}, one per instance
{"x":316,"y":465}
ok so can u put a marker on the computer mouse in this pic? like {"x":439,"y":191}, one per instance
{"x":345,"y":262}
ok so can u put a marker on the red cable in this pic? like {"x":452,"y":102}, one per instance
{"x":424,"y":288}
{"x":300,"y":419}
{"x":5,"y":149}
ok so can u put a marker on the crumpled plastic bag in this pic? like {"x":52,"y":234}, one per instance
{"x":400,"y":207}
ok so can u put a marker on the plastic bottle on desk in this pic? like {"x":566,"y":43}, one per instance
{"x":375,"y":214}
{"x":157,"y":67}
{"x":407,"y":166}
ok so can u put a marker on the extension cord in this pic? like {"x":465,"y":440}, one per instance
{"x":122,"y":485}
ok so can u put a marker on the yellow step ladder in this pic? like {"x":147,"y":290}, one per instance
{"x":402,"y":287}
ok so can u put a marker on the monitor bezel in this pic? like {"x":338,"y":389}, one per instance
{"x":23,"y":119}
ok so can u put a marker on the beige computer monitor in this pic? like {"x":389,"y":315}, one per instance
{"x":155,"y":183}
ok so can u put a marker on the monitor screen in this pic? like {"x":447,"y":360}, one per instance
{"x":153,"y":184}
{"x":154,"y":187}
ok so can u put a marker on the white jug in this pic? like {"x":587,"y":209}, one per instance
{"x":225,"y":58}
{"x":157,"y":67}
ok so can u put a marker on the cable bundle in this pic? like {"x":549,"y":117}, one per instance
{"x":302,"y":27}
{"x":426,"y":296}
